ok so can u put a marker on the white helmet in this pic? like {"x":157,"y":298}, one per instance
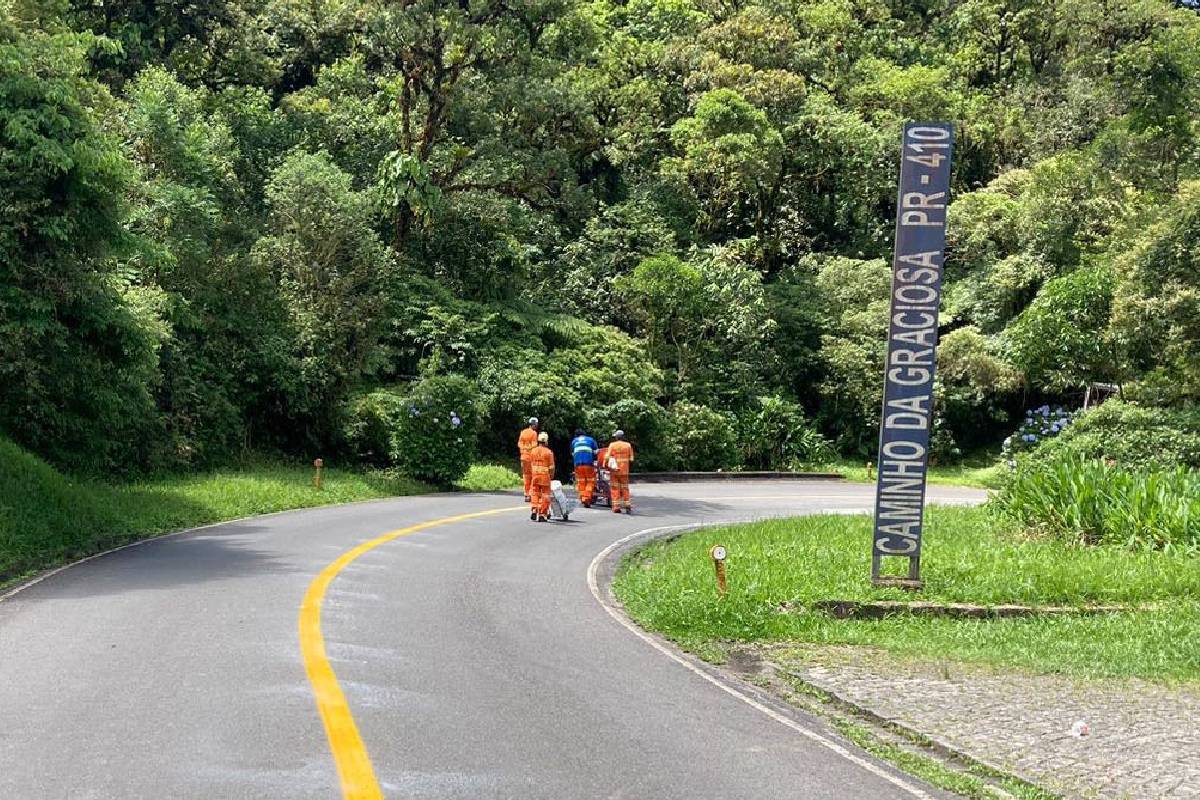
{"x":533,"y":420}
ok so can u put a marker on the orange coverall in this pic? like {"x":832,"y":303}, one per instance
{"x":618,"y":479}
{"x":585,"y":482}
{"x":541,"y":462}
{"x":525,"y":444}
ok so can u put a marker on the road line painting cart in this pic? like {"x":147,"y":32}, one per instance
{"x":601,"y":496}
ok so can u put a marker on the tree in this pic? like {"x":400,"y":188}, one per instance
{"x":729,"y":166}
{"x":216,"y":42}
{"x":1156,"y":312}
{"x":697,"y":316}
{"x":1058,"y":342}
{"x":77,"y":351}
{"x":330,"y":265}
{"x":479,"y":107}
{"x":855,"y":295}
{"x":611,"y":245}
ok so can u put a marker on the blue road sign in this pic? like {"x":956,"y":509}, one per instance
{"x":904,"y":428}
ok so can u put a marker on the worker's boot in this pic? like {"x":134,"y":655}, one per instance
{"x":533,"y":515}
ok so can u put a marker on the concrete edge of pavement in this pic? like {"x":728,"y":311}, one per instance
{"x":684,"y":477}
{"x":600,"y":575}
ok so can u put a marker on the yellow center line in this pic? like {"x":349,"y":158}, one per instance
{"x":349,"y":752}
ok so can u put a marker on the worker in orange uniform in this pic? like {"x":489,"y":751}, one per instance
{"x":525,"y":444}
{"x":541,"y":462}
{"x":620,"y":458}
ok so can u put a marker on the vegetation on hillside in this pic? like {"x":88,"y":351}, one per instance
{"x":238,"y":225}
{"x":48,"y":518}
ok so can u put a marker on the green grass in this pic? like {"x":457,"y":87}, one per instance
{"x":48,"y":518}
{"x":968,"y":557}
{"x":983,"y":471}
{"x":489,"y":478}
{"x":1090,"y":501}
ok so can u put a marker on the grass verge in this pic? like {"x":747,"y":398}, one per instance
{"x":48,"y":519}
{"x":982,"y":472}
{"x":489,"y":478}
{"x":968,"y":557}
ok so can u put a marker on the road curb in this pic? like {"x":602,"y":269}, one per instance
{"x":684,"y":477}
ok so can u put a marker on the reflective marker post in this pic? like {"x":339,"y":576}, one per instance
{"x":904,"y":426}
{"x":717,"y":553}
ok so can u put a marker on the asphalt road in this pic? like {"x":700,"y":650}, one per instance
{"x":473,"y":656}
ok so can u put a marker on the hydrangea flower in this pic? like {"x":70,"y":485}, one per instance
{"x":1039,"y":424}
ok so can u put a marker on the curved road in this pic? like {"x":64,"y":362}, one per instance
{"x":474,"y":658}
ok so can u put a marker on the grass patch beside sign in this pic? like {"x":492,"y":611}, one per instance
{"x":777,"y":569}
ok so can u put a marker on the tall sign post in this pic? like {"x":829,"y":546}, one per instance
{"x":907,"y":418}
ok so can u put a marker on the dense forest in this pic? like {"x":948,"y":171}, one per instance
{"x":292,"y":225}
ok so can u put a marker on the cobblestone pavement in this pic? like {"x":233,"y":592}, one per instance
{"x":1144,"y":740}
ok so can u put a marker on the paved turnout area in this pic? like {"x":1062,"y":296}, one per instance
{"x":472,"y":655}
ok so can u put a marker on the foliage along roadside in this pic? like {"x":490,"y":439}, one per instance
{"x":1091,"y":502}
{"x":226,"y":221}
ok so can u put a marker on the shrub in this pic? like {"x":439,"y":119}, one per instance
{"x":776,"y":434}
{"x":78,"y":355}
{"x":1040,"y":425}
{"x":371,"y":423}
{"x":1095,"y":503}
{"x":701,"y":438}
{"x":943,"y":448}
{"x":646,"y":427}
{"x":436,"y":433}
{"x":1132,"y":436}
{"x":1059,"y":341}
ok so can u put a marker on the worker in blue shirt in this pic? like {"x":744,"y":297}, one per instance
{"x":583,"y":452}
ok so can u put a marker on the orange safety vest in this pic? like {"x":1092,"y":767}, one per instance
{"x":542,"y":459}
{"x":622,"y":453}
{"x":526,"y":442}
